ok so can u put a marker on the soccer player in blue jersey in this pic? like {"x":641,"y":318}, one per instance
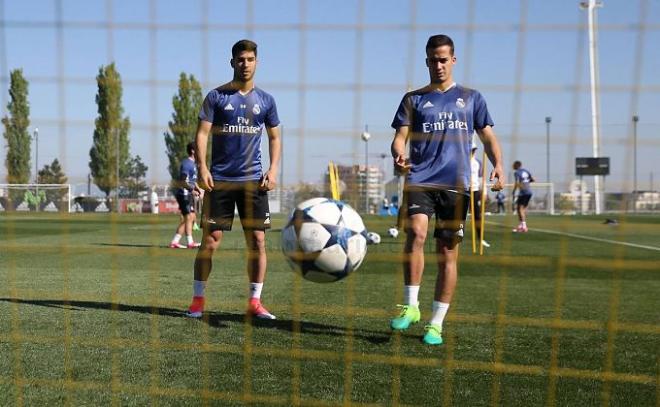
{"x":522,"y":180}
{"x":234,"y":114}
{"x":186,"y":190}
{"x":438,"y":121}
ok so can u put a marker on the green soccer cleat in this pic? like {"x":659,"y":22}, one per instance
{"x":409,"y":315}
{"x":433,"y":335}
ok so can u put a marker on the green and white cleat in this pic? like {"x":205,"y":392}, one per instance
{"x":433,"y":335}
{"x":409,"y":315}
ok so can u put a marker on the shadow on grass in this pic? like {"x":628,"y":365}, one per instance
{"x":216,"y":319}
{"x":140,"y":246}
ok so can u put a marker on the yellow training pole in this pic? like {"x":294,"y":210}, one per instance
{"x":483,"y":204}
{"x":333,"y":181}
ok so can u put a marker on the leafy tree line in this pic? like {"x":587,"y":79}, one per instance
{"x":111,"y":164}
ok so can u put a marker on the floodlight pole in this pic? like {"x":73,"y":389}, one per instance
{"x":36,"y":164}
{"x":548,"y":120}
{"x":365,"y":137}
{"x":591,"y":6}
{"x":635,"y":119}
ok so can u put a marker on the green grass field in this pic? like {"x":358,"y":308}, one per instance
{"x":92,"y":313}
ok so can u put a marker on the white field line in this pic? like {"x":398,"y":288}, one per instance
{"x":595,"y":239}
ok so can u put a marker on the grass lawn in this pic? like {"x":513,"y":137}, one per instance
{"x":92,"y":313}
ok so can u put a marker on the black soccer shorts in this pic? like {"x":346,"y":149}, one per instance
{"x":450,"y":209}
{"x":523,"y":199}
{"x":186,"y":203}
{"x":221,"y":203}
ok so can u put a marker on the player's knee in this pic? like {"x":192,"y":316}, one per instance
{"x":416,"y":236}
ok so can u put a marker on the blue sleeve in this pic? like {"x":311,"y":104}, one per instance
{"x":403,"y":113}
{"x":272,"y":119}
{"x":481,"y":116}
{"x":207,"y":111}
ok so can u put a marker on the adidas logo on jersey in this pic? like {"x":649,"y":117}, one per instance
{"x":427,"y":105}
{"x":229,"y":107}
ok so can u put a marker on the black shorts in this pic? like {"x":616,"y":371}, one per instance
{"x":252,"y":203}
{"x":523,"y":200}
{"x":450,"y":209}
{"x":477,"y":204}
{"x":186,"y":203}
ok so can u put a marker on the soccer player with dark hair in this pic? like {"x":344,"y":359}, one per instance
{"x":186,"y":190}
{"x":235,"y":115}
{"x":438,"y":121}
{"x":522,"y":180}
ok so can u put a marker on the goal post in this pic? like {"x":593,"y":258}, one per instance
{"x":542,"y":201}
{"x":35,"y":197}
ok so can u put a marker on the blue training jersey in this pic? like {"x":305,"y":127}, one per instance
{"x":238,"y":122}
{"x":441,"y":128}
{"x":187,"y":176}
{"x":523,"y":179}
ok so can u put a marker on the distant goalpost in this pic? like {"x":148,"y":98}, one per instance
{"x":543,"y":197}
{"x":35,"y":197}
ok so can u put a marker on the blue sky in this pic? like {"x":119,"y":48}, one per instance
{"x":336,"y":66}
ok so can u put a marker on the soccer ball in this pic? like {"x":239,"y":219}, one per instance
{"x":373,"y":238}
{"x":393,"y":232}
{"x":325,"y":240}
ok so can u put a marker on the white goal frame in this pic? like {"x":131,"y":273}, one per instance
{"x":542,"y":191}
{"x":36,"y":187}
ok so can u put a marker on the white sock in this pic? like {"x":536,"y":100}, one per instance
{"x":524,"y":224}
{"x":176,"y":238}
{"x":439,"y":311}
{"x":410,"y":293}
{"x":255,"y":290}
{"x":198,"y":288}
{"x":190,"y":239}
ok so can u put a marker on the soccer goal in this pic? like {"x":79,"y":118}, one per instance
{"x":542,"y":201}
{"x":35,"y":197}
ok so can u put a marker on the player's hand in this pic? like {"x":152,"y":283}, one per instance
{"x":205,"y":179}
{"x":497,"y":173}
{"x":401,"y":163}
{"x":268,"y":181}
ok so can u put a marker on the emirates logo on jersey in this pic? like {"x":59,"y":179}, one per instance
{"x":256,"y":109}
{"x":460,"y":103}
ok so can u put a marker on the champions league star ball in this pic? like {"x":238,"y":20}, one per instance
{"x":325,"y":240}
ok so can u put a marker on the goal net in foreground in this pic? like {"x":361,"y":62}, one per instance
{"x":35,"y":197}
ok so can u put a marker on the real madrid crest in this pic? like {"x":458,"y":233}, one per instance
{"x":460,"y":103}
{"x":256,"y":109}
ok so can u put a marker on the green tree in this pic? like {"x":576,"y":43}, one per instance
{"x":109,"y":155}
{"x":16,"y":132}
{"x":183,"y":126}
{"x":134,"y":183}
{"x":304,"y":192}
{"x":53,"y":174}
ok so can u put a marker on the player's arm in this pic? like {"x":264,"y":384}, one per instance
{"x":201,"y":140}
{"x":269,"y":181}
{"x":494,"y":153}
{"x":398,"y":148}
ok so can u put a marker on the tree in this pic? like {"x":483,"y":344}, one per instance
{"x":109,"y":155}
{"x":304,"y":192}
{"x":52,"y":174}
{"x":16,"y":132}
{"x":183,"y":125}
{"x":134,"y":183}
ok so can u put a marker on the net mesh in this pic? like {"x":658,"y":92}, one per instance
{"x":107,"y":321}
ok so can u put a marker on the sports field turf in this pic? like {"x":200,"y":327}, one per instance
{"x":92,"y":313}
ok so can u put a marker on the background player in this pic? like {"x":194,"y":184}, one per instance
{"x":235,"y":114}
{"x":185,"y":194}
{"x":475,"y":187}
{"x":439,"y":121}
{"x":522,"y":180}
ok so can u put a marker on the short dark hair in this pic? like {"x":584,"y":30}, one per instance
{"x":243,"y":45}
{"x":191,"y":147}
{"x":439,"y":40}
{"x":516,"y":165}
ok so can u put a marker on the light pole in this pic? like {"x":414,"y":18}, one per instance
{"x":365,"y":136}
{"x":36,"y":156}
{"x":548,"y":120}
{"x":635,"y":119}
{"x":591,"y":6}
